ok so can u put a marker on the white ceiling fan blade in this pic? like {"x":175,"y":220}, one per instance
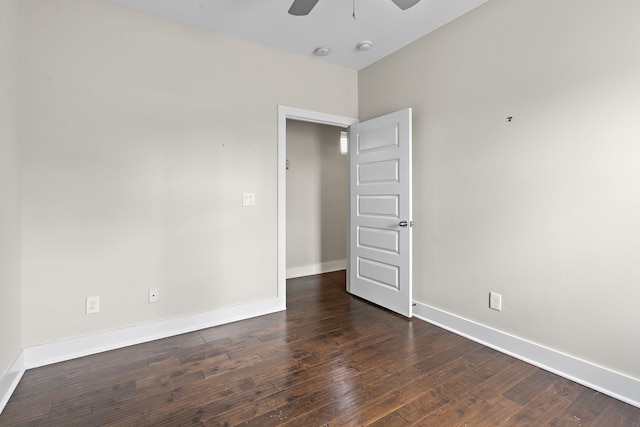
{"x":302,"y":7}
{"x":405,"y":4}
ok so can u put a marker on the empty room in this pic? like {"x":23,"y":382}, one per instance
{"x":474,"y":258}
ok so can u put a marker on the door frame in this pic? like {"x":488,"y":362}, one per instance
{"x":302,"y":115}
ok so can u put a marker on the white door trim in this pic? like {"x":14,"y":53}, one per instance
{"x":293,"y":113}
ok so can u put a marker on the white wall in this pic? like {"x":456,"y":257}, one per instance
{"x":545,"y":209}
{"x":143,"y":135}
{"x":317,"y":196}
{"x":10,"y":302}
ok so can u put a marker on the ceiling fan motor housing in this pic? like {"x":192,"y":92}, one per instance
{"x":303,"y":7}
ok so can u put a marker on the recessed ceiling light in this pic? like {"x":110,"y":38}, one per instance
{"x":364,"y":45}
{"x":321,"y":51}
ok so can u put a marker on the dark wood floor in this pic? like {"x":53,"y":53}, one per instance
{"x":329,"y":360}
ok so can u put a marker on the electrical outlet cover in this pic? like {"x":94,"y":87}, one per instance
{"x":93,"y":305}
{"x":495,"y":301}
{"x":154,"y":295}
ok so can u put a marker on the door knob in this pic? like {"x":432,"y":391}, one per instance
{"x":403,"y":223}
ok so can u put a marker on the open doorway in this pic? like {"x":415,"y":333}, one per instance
{"x":284,"y":114}
{"x":380,"y":190}
{"x":317,"y":199}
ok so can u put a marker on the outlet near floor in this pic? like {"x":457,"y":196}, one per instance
{"x":93,"y":305}
{"x":154,"y":295}
{"x":495,"y":301}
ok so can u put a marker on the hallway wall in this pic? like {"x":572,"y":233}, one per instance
{"x":317,"y":198}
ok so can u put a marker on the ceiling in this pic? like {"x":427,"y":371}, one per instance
{"x":330,"y":24}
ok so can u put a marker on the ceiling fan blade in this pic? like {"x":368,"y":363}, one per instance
{"x":405,"y":4}
{"x":302,"y":7}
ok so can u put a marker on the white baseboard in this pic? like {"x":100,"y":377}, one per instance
{"x":47,"y":354}
{"x":9,"y":381}
{"x":614,"y":384}
{"x":308,"y":270}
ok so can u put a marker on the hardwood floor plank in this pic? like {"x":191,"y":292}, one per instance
{"x":540,"y":411}
{"x":24,"y":412}
{"x":530,"y":387}
{"x":392,"y":419}
{"x":567,"y":389}
{"x":617,"y":414}
{"x":326,"y":389}
{"x":452,"y":346}
{"x":493,"y":387}
{"x":357,"y":399}
{"x":112,"y":412}
{"x":439,"y":388}
{"x":203,"y":407}
{"x":584,"y":410}
{"x":496,"y":413}
{"x":455,"y":412}
{"x":330,"y":360}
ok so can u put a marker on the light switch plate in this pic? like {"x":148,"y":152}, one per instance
{"x":248,"y":199}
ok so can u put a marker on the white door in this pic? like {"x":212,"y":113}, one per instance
{"x":380,"y":211}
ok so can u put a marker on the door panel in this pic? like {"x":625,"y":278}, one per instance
{"x":387,"y":206}
{"x":386,"y":171}
{"x":378,"y":273}
{"x":378,"y":138}
{"x":380,"y":200}
{"x":378,"y":239}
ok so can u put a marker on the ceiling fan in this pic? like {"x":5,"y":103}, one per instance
{"x":303,"y":7}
